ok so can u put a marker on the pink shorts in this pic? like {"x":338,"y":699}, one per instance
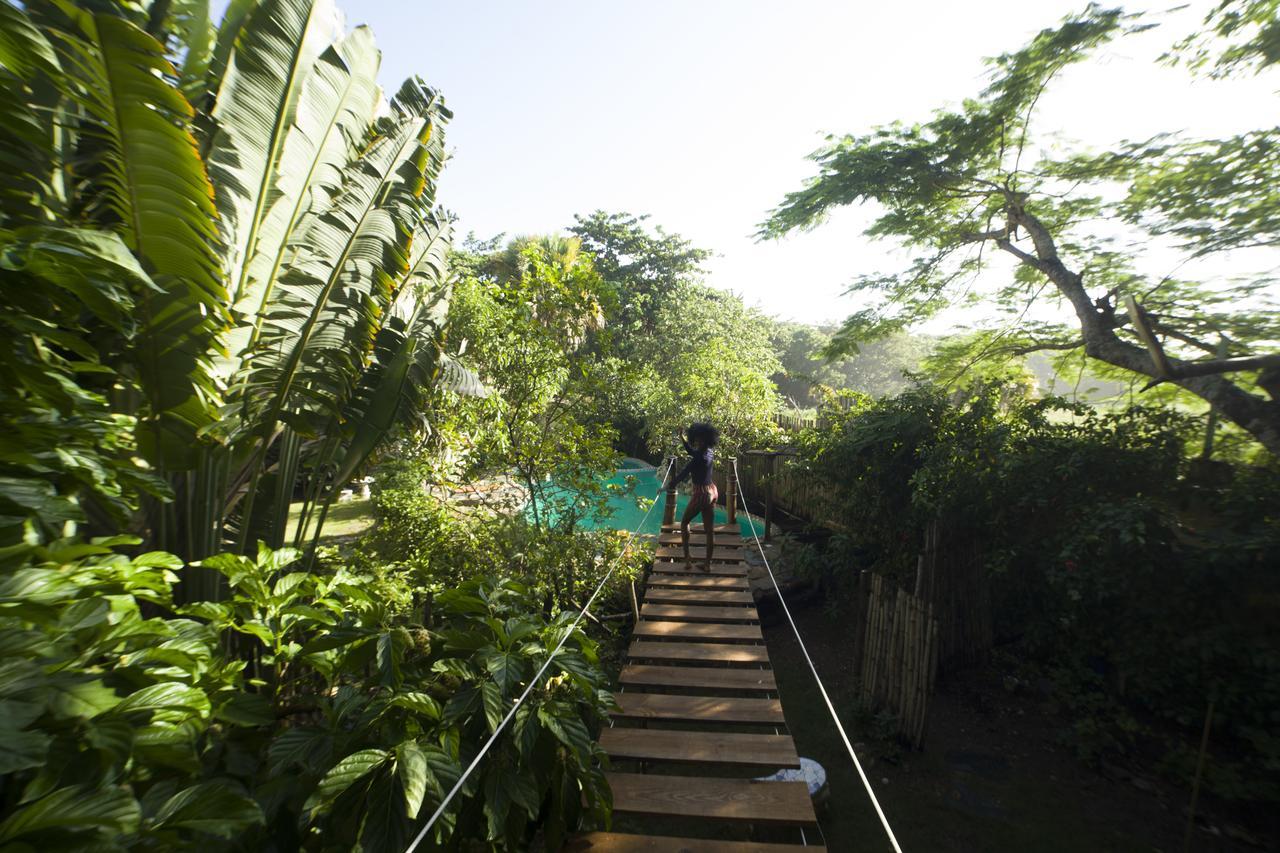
{"x":704,"y":497}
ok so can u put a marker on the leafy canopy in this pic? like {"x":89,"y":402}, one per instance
{"x":974,"y":182}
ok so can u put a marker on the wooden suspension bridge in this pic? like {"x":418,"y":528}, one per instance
{"x":699,"y":721}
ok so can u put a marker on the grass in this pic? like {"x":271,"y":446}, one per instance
{"x":345,"y":520}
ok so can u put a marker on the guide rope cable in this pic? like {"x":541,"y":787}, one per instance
{"x":475,"y":762}
{"x":884,"y":821}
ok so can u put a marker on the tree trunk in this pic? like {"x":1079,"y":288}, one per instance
{"x":1257,"y":415}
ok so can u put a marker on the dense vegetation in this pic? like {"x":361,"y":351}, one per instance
{"x":974,"y":184}
{"x":229,"y":294}
{"x":1131,"y":575}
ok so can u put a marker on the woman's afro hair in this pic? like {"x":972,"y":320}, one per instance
{"x":706,"y":432}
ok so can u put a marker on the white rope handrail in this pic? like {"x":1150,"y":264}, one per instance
{"x":884,"y":821}
{"x":537,"y":676}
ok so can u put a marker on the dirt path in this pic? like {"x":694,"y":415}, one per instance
{"x":991,"y":778}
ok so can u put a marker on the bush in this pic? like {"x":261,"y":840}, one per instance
{"x":1141,"y":588}
{"x":433,"y":546}
{"x":336,"y":724}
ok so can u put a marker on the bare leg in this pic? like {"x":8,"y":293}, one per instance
{"x":709,"y":524}
{"x":689,"y":512}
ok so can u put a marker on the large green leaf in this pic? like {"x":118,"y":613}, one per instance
{"x":254,"y":112}
{"x":24,"y":50}
{"x":406,"y":353}
{"x":210,"y":807}
{"x":147,"y":182}
{"x":333,"y":115}
{"x":111,"y":809}
{"x":195,"y":34}
{"x":415,"y":775}
{"x":326,"y":309}
{"x":344,"y":774}
{"x":166,"y":696}
{"x":27,"y":174}
{"x":21,"y":749}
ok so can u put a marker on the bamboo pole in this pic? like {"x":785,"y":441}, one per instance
{"x":768,"y":497}
{"x":731,"y":490}
{"x":669,"y":507}
{"x":1195,"y":784}
{"x":860,"y":621}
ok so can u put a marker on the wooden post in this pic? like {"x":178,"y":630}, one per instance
{"x":768,"y":497}
{"x":1195,"y":784}
{"x":860,"y":620}
{"x":669,"y":508}
{"x":731,"y":490}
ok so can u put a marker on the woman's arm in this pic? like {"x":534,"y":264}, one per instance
{"x":684,"y":472}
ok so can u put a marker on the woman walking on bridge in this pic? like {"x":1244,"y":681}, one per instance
{"x":698,"y":442}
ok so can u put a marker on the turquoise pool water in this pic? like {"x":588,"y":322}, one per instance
{"x":626,"y":515}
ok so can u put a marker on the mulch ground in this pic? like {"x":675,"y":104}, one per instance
{"x":992,"y":776}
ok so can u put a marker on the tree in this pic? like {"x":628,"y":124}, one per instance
{"x":690,"y":352}
{"x":876,"y":369}
{"x":533,"y":316}
{"x":645,"y":268}
{"x":973,"y":179}
{"x":252,"y":231}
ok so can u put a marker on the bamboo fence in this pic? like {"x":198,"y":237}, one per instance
{"x":899,"y":656}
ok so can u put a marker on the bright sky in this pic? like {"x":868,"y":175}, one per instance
{"x":700,"y":112}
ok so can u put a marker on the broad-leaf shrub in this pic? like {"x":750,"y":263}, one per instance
{"x":1140,"y":585}
{"x":336,"y":725}
{"x":432,"y":545}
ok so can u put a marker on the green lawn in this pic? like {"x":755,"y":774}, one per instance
{"x":345,"y":520}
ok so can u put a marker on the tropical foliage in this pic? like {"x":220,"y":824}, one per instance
{"x":1118,"y":568}
{"x":695,"y":352}
{"x":808,"y":376}
{"x":534,"y":317}
{"x":976,"y":178}
{"x":226,"y":289}
{"x":127,"y":726}
{"x":228,"y":274}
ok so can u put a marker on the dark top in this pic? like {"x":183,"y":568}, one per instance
{"x":699,"y":467}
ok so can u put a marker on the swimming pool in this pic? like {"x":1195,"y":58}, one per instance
{"x":626,"y":515}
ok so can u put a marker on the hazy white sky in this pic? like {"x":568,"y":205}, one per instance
{"x":701,"y":112}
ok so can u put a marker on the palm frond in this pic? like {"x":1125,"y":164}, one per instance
{"x":27,"y":63}
{"x":321,"y":322}
{"x":333,"y":115}
{"x":272,"y":59}
{"x":144,"y":179}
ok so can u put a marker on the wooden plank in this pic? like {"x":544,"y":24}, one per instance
{"x":732,"y":570}
{"x":694,"y":613}
{"x":728,"y":748}
{"x":699,"y":678}
{"x":616,"y":842}
{"x":709,"y":632}
{"x":698,"y":596}
{"x":704,"y":582}
{"x":731,"y":540}
{"x":699,"y":652}
{"x":720,"y":528}
{"x":675,"y":552}
{"x":739,"y":800}
{"x":703,"y":709}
